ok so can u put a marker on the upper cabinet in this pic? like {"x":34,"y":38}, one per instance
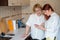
{"x":18,"y":2}
{"x":3,"y":2}
{"x":14,"y":2}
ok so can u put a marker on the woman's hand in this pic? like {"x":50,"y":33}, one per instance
{"x":26,"y":31}
{"x":40,"y":27}
{"x":24,"y":35}
{"x":37,"y":26}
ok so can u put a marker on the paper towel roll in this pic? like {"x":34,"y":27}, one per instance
{"x":14,"y":24}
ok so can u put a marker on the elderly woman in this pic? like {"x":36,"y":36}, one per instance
{"x":36,"y":18}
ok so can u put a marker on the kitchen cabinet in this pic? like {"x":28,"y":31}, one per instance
{"x":3,"y":2}
{"x":18,"y":2}
{"x":14,"y":2}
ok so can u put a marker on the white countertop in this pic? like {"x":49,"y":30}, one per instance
{"x":18,"y":34}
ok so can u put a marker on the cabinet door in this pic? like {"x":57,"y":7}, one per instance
{"x":14,"y":3}
{"x":18,"y":2}
{"x":3,"y":2}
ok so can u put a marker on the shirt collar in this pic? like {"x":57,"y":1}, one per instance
{"x":52,"y":13}
{"x":37,"y":15}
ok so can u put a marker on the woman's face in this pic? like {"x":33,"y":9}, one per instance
{"x":38,"y":11}
{"x":47,"y":12}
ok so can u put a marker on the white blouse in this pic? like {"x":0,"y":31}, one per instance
{"x":52,"y":25}
{"x":34,"y":19}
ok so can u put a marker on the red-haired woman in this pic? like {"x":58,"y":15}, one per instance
{"x":51,"y":24}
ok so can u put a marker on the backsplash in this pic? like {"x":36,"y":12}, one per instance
{"x":10,"y":12}
{"x":13,"y":13}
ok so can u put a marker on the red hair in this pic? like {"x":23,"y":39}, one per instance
{"x":47,"y":7}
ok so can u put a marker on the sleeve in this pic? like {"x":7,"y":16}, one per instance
{"x":29,"y":21}
{"x":59,"y":21}
{"x":44,"y":20}
{"x":54,"y":25}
